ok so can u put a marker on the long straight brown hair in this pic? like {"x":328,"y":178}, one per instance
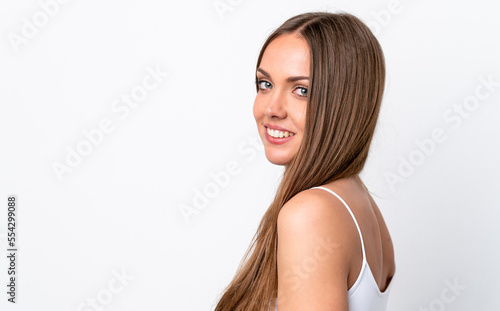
{"x":347,"y":77}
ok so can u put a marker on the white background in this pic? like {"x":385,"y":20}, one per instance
{"x":118,"y":210}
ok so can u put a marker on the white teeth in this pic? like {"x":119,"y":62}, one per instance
{"x":278,"y":134}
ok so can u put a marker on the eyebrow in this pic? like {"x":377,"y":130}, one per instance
{"x":289,"y":79}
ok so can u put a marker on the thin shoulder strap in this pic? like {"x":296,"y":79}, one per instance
{"x":354,"y":218}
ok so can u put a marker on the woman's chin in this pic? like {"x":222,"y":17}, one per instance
{"x":278,"y":158}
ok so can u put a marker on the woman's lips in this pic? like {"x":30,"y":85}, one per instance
{"x":275,"y":127}
{"x":284,"y":135}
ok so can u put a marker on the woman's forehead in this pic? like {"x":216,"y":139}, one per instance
{"x":286,"y":55}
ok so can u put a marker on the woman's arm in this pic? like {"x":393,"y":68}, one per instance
{"x":315,"y":246}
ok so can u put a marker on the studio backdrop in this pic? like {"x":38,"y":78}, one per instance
{"x":132,"y":176}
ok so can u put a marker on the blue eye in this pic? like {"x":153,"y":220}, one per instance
{"x":264,"y":85}
{"x":302,"y":91}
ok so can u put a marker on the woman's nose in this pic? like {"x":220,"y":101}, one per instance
{"x":275,"y":106}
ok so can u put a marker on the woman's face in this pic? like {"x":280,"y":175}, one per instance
{"x":281,"y":101}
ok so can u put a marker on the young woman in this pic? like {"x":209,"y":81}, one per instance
{"x":323,"y":243}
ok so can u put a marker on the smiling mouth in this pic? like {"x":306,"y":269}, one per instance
{"x":278,"y":133}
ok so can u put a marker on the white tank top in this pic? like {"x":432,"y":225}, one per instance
{"x":364,"y":294}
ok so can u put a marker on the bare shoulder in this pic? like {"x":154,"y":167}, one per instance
{"x":312,"y":210}
{"x":314,"y":251}
{"x":313,"y":215}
